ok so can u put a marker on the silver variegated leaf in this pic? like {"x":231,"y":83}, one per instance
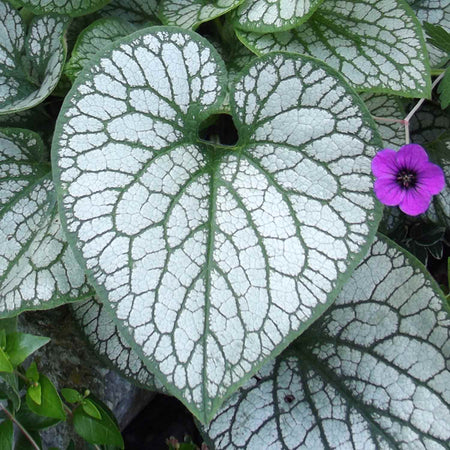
{"x":191,"y":13}
{"x":106,"y":340}
{"x":266,"y":16}
{"x":37,"y":268}
{"x":372,"y":373}
{"x":436,"y":12}
{"x":378,"y":46}
{"x":30,"y":64}
{"x":93,"y":39}
{"x":69,"y":7}
{"x":204,"y":253}
{"x":387,"y":107}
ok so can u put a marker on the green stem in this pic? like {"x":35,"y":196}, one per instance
{"x":21,"y":428}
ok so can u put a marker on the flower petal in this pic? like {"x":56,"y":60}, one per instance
{"x":384,"y":163}
{"x":412,"y":156}
{"x":415,"y":201}
{"x":388,"y":191}
{"x":431,"y":178}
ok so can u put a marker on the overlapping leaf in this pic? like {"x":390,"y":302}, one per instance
{"x":133,"y":11}
{"x":204,"y":253}
{"x":106,"y":340}
{"x":30,"y":64}
{"x":70,"y":7}
{"x":93,"y":39}
{"x":266,"y":16}
{"x":37,"y":269}
{"x":378,"y":46}
{"x":191,"y":13}
{"x":373,"y":372}
{"x":436,"y":12}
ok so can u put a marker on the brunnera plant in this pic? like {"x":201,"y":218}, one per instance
{"x":210,"y":194}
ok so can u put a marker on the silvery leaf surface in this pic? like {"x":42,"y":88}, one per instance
{"x":436,"y":12}
{"x":30,"y":64}
{"x":93,"y":39}
{"x":387,"y":107}
{"x":106,"y":340}
{"x":203,"y":253}
{"x":68,"y":7}
{"x":191,"y":13}
{"x":37,"y":268}
{"x":266,"y":16}
{"x":372,"y":373}
{"x":378,"y":46}
{"x":133,"y":11}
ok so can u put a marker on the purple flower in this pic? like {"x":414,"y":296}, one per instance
{"x":406,"y":178}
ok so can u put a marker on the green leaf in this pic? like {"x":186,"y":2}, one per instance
{"x":71,"y":395}
{"x":90,"y":409}
{"x":444,"y":89}
{"x":32,"y":372}
{"x":267,"y":16}
{"x":192,"y":13}
{"x":70,"y":7}
{"x":435,"y":12}
{"x":8,"y":326}
{"x":31,"y":421}
{"x":9,"y":390}
{"x":5,"y":363}
{"x":134,"y":11}
{"x":21,"y":345}
{"x":35,"y":393}
{"x":109,"y":343}
{"x":38,"y":270}
{"x":51,"y":405}
{"x":94,"y":38}
{"x":381,"y":45}
{"x":438,"y":37}
{"x":6,"y":435}
{"x":371,"y":373}
{"x":103,"y":431}
{"x":202,"y":252}
{"x":30,"y":66}
{"x":23,"y":442}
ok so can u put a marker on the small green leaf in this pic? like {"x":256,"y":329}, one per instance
{"x":51,"y":405}
{"x":101,"y":431}
{"x":5,"y":363}
{"x":90,"y":409}
{"x":8,"y":326}
{"x":9,"y":390}
{"x":31,"y":421}
{"x":21,"y":345}
{"x":35,"y":393}
{"x":6,"y":435}
{"x":71,"y":395}
{"x":444,"y":89}
{"x":32,"y":372}
{"x":438,"y":37}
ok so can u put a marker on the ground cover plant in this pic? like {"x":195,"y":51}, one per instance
{"x":203,"y":181}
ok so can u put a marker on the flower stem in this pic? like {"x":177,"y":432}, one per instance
{"x":416,"y":108}
{"x":21,"y":428}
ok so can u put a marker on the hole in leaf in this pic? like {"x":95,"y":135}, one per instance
{"x":219,"y":129}
{"x":289,"y":398}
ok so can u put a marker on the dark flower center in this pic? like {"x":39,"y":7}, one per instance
{"x":406,"y":178}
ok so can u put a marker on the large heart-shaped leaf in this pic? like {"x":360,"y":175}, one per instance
{"x":213,"y":258}
{"x":107,"y":341}
{"x":379,"y":46}
{"x":191,"y":13}
{"x":30,"y":64}
{"x":372,"y":373}
{"x":93,"y":39}
{"x":436,"y":12}
{"x":70,"y":7}
{"x":266,"y":16}
{"x":37,"y":269}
